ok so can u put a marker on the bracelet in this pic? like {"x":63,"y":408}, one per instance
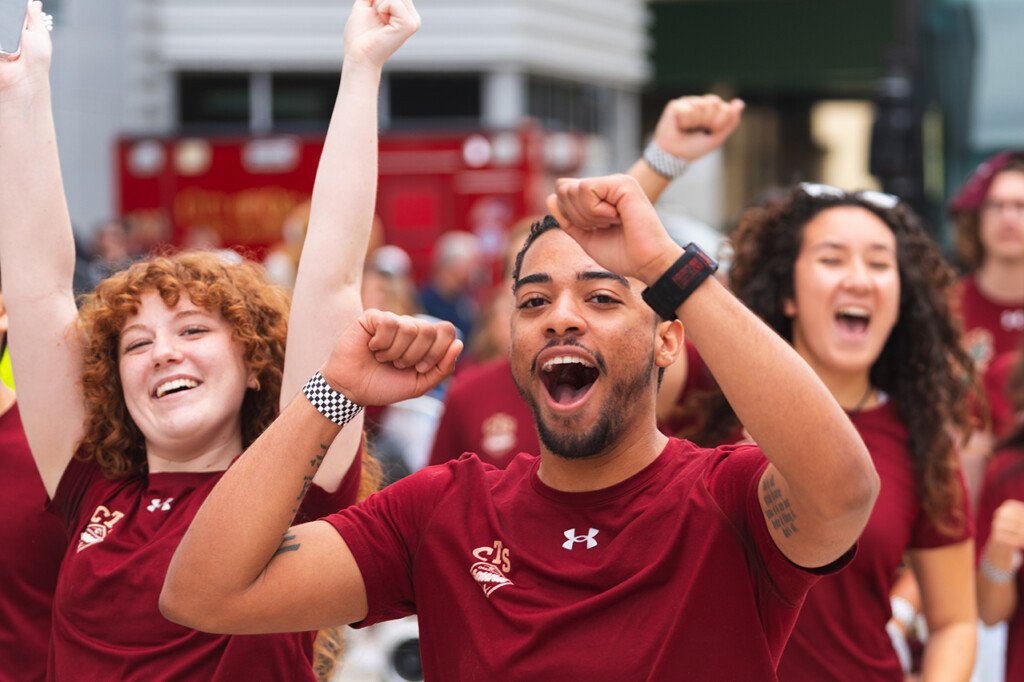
{"x":664,"y":164}
{"x":679,"y":281}
{"x":328,"y":402}
{"x":1000,"y":575}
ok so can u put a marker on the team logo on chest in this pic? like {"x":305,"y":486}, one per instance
{"x":101,"y":523}
{"x":158,"y":504}
{"x":572,"y":538}
{"x":492,"y":567}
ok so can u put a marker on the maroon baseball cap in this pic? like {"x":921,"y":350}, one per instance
{"x":973,"y":192}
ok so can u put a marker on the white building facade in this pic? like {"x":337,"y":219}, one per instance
{"x":169,"y":67}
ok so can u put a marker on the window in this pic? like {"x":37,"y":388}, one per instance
{"x":209,"y":99}
{"x":452,"y":99}
{"x":303,"y":100}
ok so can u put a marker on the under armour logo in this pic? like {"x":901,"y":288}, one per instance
{"x":573,"y":538}
{"x":158,"y":504}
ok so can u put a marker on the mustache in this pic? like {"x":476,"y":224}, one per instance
{"x":570,"y":341}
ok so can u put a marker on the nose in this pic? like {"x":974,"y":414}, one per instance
{"x":858,"y":276}
{"x":565,"y":317}
{"x":165,"y":350}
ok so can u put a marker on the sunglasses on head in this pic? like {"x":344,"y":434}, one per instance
{"x":880,"y":200}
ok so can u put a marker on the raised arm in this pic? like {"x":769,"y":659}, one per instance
{"x":821,"y":477}
{"x":37,"y":256}
{"x":232,"y":571}
{"x":689,"y":128}
{"x":327,"y":287}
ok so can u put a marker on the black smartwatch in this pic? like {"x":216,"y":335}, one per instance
{"x":679,"y":281}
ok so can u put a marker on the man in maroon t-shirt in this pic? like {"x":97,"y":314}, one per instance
{"x":618,"y":553}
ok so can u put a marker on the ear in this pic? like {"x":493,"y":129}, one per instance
{"x":668,"y":342}
{"x":253,"y":381}
{"x":789,"y":307}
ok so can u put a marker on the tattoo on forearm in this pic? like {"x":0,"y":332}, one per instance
{"x":307,"y":480}
{"x":285,"y":547}
{"x":777,"y":509}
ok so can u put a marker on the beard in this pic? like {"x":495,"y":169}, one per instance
{"x":570,"y":443}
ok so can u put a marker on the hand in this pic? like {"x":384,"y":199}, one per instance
{"x":376,"y":28}
{"x":616,"y":225}
{"x":691,"y":127}
{"x":33,"y":64}
{"x":384,"y":358}
{"x":1007,"y":534}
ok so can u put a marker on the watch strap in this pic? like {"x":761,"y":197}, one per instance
{"x":679,"y":281}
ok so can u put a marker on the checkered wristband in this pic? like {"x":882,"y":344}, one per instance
{"x":663,"y":163}
{"x":328,"y":402}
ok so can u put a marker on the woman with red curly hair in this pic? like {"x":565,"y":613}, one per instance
{"x":852,"y":281}
{"x":135,"y":407}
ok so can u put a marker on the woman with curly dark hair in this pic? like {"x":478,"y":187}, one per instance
{"x":1001,"y":528}
{"x":861,"y":292}
{"x":136,"y":406}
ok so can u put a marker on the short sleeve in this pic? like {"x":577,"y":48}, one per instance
{"x":733,"y":480}
{"x":383,"y":534}
{"x":926,"y":533}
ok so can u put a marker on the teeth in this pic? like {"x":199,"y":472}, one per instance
{"x":549,"y":366}
{"x":175,"y":384}
{"x":854,"y":311}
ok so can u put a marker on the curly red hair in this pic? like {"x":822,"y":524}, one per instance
{"x":240,"y":292}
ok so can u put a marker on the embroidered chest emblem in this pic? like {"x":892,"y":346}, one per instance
{"x":100,"y":524}
{"x":161,"y":505}
{"x":499,"y":433}
{"x":492,"y":567}
{"x":572,"y":538}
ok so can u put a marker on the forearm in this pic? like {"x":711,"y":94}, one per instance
{"x":344,"y":192}
{"x":949,"y":654}
{"x":997,"y":601}
{"x":652,"y":183}
{"x":36,"y":245}
{"x":240,"y":526}
{"x":785,"y":407}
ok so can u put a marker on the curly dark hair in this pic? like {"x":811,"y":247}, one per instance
{"x":922,"y":365}
{"x":967,"y":224}
{"x":255,"y":308}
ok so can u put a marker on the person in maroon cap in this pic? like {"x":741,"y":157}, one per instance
{"x":989,"y":216}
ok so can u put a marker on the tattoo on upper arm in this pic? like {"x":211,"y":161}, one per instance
{"x":307,"y":480}
{"x":776,"y":507}
{"x":285,"y":547}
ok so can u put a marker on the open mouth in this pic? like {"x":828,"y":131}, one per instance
{"x":175,"y":386}
{"x":853,"y":319}
{"x":567,"y":378}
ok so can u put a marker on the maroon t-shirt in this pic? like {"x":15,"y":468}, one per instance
{"x":33,"y":544}
{"x":669,"y":575}
{"x":698,"y":381}
{"x":990,"y":328}
{"x":485,"y":414}
{"x":840,"y":634}
{"x":1004,"y":480}
{"x":997,"y":388}
{"x":106,"y":622}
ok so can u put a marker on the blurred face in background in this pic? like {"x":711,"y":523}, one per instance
{"x":1002,"y":218}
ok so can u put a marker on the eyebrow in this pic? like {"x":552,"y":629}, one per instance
{"x":177,"y":316}
{"x":872,"y":247}
{"x":588,"y":276}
